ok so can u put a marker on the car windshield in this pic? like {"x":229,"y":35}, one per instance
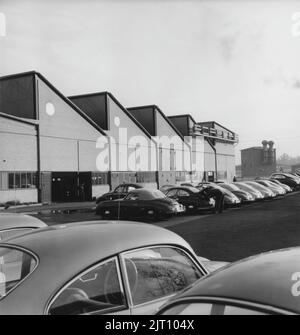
{"x":15,"y":265}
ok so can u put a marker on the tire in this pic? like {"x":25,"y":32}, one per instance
{"x":152,"y":214}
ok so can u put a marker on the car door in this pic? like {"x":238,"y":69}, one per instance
{"x":130,"y":206}
{"x":153,"y":274}
{"x":98,"y":290}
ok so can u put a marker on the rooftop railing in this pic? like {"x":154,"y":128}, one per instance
{"x":224,"y":135}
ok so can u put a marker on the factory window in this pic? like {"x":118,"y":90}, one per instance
{"x":99,"y":178}
{"x":17,"y":180}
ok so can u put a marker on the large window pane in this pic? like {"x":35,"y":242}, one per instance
{"x":158,"y":272}
{"x":11,"y":180}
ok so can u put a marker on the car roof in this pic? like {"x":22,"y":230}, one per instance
{"x":264,"y":279}
{"x":185,"y":188}
{"x":130,"y":184}
{"x":15,"y":220}
{"x":66,"y":250}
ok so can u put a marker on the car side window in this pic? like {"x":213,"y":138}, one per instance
{"x":158,"y":272}
{"x":171,"y":193}
{"x":183,"y":193}
{"x":96,"y":290}
{"x":131,"y":188}
{"x":119,"y":189}
{"x":132,"y":197}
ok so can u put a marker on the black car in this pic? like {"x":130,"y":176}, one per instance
{"x":286,"y":179}
{"x":190,"y":197}
{"x":140,"y":203}
{"x":259,"y":285}
{"x":119,"y":192}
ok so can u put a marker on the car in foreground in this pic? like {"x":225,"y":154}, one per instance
{"x":247,"y":188}
{"x":287,"y":179}
{"x":266,"y":192}
{"x":259,"y":285}
{"x":242,"y":195}
{"x":140,"y":204}
{"x":12,"y":224}
{"x":191,"y":198}
{"x":95,"y":267}
{"x":119,"y":192}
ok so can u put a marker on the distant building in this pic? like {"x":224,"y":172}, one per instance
{"x":259,"y":161}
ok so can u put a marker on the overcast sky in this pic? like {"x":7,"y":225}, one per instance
{"x":235,"y":62}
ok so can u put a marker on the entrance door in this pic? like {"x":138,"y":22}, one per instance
{"x":64,"y":186}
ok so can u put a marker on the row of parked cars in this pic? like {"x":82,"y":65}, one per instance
{"x":131,"y":201}
{"x":129,"y":268}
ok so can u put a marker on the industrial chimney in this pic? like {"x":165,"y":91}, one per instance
{"x":271,"y":152}
{"x":265,"y":151}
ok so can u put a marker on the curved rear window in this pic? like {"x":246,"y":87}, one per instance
{"x":8,"y":233}
{"x":15,"y":265}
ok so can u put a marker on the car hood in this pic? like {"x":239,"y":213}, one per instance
{"x":211,"y":265}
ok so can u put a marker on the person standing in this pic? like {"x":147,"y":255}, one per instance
{"x":217,"y":194}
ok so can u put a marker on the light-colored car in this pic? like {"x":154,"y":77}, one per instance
{"x":266,"y":192}
{"x":97,"y":267}
{"x":247,"y":188}
{"x":12,"y":224}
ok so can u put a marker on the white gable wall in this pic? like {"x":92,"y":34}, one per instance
{"x":67,"y":140}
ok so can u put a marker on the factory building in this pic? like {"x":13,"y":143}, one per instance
{"x":218,"y":145}
{"x":258,"y":161}
{"x":47,"y":146}
{"x":59,"y":149}
{"x":132,"y":151}
{"x":174,"y":152}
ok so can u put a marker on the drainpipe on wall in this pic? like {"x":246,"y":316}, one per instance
{"x":209,"y":141}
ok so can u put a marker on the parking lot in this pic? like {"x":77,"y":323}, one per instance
{"x":234,"y":234}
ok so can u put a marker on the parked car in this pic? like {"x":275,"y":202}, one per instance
{"x":165,"y":188}
{"x":266,"y":192}
{"x":259,"y":285}
{"x":255,"y":193}
{"x":242,"y":195}
{"x":229,"y":198}
{"x":119,"y":192}
{"x":12,"y":224}
{"x":278,"y":190}
{"x":284,"y":186}
{"x":95,"y":268}
{"x":287,"y":179}
{"x":140,"y":203}
{"x":191,"y":198}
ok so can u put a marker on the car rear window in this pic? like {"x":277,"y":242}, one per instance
{"x":15,"y":265}
{"x":4,"y":234}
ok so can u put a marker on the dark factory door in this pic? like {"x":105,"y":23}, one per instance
{"x":64,"y":186}
{"x":71,"y":186}
{"x":85,"y":186}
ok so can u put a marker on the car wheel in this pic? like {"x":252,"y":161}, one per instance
{"x":106,"y":213}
